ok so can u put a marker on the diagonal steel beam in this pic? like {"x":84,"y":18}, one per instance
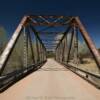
{"x":44,"y":19}
{"x":64,"y":34}
{"x":36,"y":34}
{"x":11,"y":43}
{"x":88,"y":40}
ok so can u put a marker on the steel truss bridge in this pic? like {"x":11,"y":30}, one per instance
{"x":38,"y":36}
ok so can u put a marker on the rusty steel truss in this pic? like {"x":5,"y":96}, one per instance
{"x":60,"y":46}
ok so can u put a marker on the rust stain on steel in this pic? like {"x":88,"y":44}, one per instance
{"x":11,"y":43}
{"x":88,"y":41}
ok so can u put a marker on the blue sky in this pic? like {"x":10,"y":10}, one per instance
{"x":12,"y":11}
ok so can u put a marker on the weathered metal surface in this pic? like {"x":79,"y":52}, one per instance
{"x":70,"y":46}
{"x":11,"y":43}
{"x":88,"y":41}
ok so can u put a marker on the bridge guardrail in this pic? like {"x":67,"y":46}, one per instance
{"x":90,"y":77}
{"x":8,"y":79}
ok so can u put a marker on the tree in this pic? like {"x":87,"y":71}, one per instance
{"x":84,"y":50}
{"x":3,"y":39}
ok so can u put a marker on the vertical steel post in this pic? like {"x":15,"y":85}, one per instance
{"x":70,"y":46}
{"x":37,"y":50}
{"x":31,"y":45}
{"x":75,"y":44}
{"x":25,"y":53}
{"x":65,"y":51}
{"x":60,"y":52}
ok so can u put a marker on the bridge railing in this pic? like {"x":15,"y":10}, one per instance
{"x":9,"y":79}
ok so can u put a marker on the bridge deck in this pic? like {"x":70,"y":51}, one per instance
{"x":56,"y":83}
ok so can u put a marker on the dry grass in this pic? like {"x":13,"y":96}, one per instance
{"x":89,"y":65}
